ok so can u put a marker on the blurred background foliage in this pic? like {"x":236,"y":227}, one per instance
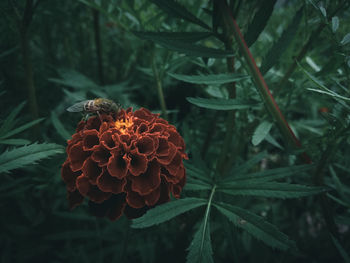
{"x":56,"y":53}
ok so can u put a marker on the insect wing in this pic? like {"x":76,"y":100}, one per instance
{"x":77,"y":107}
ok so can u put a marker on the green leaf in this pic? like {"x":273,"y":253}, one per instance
{"x":10,"y":122}
{"x":335,"y":23}
{"x":256,"y":226}
{"x":21,"y":128}
{"x":197,"y":187}
{"x":269,"y":189}
{"x":277,"y":50}
{"x":192,"y":49}
{"x":215,"y":79}
{"x":167,"y":211}
{"x":261,"y":132}
{"x":14,"y":141}
{"x":259,"y":21}
{"x":194,"y":172}
{"x":188,"y":37}
{"x":74,"y":79}
{"x":222,"y":104}
{"x":61,"y":130}
{"x":27,"y":155}
{"x":269,"y":175}
{"x":200,"y":250}
{"x":346,"y":39}
{"x":243,"y":168}
{"x":176,"y":9}
{"x":341,"y":250}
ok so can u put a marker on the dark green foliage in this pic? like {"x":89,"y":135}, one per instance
{"x":248,"y":196}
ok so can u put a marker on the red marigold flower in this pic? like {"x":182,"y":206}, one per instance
{"x":127,"y":165}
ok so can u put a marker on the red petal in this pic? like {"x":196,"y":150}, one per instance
{"x":91,"y":170}
{"x":177,"y":188}
{"x":144,"y":114}
{"x":101,"y":156}
{"x":148,"y":181}
{"x":138,"y":164}
{"x":83,"y":184}
{"x":108,"y":140}
{"x":117,"y":207}
{"x":68,"y":176}
{"x":145,"y":145}
{"x":74,"y":199}
{"x":134,"y":200}
{"x":167,"y":152}
{"x":75,"y":139}
{"x":164,"y":193}
{"x":176,"y":139}
{"x":90,"y":140}
{"x":77,"y":156}
{"x":107,"y":183}
{"x":117,"y":166}
{"x":97,"y":196}
{"x":175,"y":164}
{"x":152,"y":198}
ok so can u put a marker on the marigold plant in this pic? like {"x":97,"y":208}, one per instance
{"x":127,"y":165}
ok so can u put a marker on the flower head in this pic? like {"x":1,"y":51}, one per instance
{"x":127,"y":165}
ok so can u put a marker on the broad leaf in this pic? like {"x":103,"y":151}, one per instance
{"x":222,"y":104}
{"x":27,"y":155}
{"x":176,"y":9}
{"x":256,"y":226}
{"x":167,"y":211}
{"x":259,"y":21}
{"x":173,"y":36}
{"x":261,"y":132}
{"x":268,"y":189}
{"x":200,"y":250}
{"x":277,"y":50}
{"x":335,"y":23}
{"x":346,"y":39}
{"x":216,"y":79}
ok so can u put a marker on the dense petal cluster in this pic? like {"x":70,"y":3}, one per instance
{"x":127,"y":165}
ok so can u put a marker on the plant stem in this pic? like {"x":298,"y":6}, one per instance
{"x":159,"y":90}
{"x":23,"y":23}
{"x":96,"y":16}
{"x":230,"y":121}
{"x":261,"y":85}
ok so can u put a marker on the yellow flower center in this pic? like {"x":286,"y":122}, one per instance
{"x":123,"y":125}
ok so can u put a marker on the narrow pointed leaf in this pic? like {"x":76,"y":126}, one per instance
{"x":256,"y":226}
{"x":200,"y":250}
{"x":59,"y":127}
{"x":269,"y":189}
{"x":177,"y":10}
{"x":27,"y":155}
{"x":277,"y":50}
{"x":335,"y":23}
{"x":10,"y":122}
{"x":341,"y":249}
{"x":191,"y":49}
{"x":14,"y":141}
{"x":346,"y":39}
{"x":167,"y":211}
{"x":243,"y":168}
{"x":197,"y":187}
{"x":21,"y":128}
{"x":222,"y":104}
{"x":188,"y":37}
{"x":216,"y":79}
{"x":270,"y":174}
{"x":259,"y":21}
{"x":261,"y":132}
